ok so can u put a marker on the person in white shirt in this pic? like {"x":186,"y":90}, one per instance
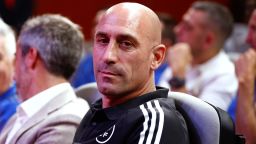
{"x":49,"y":48}
{"x":198,"y":65}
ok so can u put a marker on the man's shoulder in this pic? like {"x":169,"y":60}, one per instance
{"x":54,"y":126}
{"x":155,"y":100}
{"x":156,"y":106}
{"x":53,"y":129}
{"x":163,"y":103}
{"x":159,"y":114}
{"x":77,"y":107}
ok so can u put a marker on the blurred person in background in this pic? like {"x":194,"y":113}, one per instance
{"x":198,"y":64}
{"x":84,"y":73}
{"x":168,"y":39}
{"x":236,"y":43}
{"x":49,"y":48}
{"x":243,"y":107}
{"x":8,"y":95}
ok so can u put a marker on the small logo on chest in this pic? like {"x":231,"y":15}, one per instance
{"x":105,"y":137}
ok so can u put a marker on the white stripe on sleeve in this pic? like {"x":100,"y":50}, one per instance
{"x":145,"y":124}
{"x":161,"y":122}
{"x":153,"y":123}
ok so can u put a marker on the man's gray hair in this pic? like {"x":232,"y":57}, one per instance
{"x":59,"y":41}
{"x":9,"y":42}
{"x":219,"y":17}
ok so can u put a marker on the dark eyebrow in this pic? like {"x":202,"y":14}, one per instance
{"x":120,"y":37}
{"x":101,"y":34}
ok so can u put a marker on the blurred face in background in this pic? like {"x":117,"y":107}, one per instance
{"x":22,"y":78}
{"x":251,"y":37}
{"x":192,"y":31}
{"x":6,"y":67}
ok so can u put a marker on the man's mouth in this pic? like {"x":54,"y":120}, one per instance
{"x":109,"y":73}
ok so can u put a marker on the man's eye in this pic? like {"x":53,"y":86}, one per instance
{"x":126,"y":44}
{"x":102,"y":40}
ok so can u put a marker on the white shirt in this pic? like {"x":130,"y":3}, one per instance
{"x":214,"y":81}
{"x":31,"y":106}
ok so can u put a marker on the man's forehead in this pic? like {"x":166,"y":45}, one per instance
{"x":124,"y":18}
{"x":116,"y":31}
{"x":116,"y":24}
{"x":139,"y":22}
{"x":194,"y":17}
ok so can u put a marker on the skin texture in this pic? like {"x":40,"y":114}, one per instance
{"x":126,"y":52}
{"x":35,"y":78}
{"x":246,"y":74}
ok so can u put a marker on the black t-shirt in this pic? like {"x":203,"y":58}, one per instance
{"x":147,"y":119}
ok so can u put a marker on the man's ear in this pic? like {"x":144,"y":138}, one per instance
{"x":31,"y":58}
{"x":210,"y":38}
{"x":158,"y":56}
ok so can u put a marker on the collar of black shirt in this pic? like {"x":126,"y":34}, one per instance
{"x":113,"y":113}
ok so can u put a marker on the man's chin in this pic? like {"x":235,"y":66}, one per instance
{"x":107,"y":90}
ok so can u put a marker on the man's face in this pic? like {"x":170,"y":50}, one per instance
{"x":121,"y":55}
{"x":21,"y":76}
{"x":192,"y":30}
{"x":251,"y":36}
{"x":6,"y":67}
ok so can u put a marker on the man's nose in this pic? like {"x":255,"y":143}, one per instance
{"x":111,"y":53}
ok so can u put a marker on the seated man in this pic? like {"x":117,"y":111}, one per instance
{"x":127,"y":49}
{"x":200,"y":67}
{"x":243,"y":107}
{"x":48,"y":50}
{"x":8,"y":96}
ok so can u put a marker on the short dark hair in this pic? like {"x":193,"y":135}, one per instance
{"x":59,"y":41}
{"x":219,"y":17}
{"x":168,"y":25}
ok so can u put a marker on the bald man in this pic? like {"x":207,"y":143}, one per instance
{"x":127,"y":50}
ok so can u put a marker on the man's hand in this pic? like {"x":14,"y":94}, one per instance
{"x":245,"y":111}
{"x":246,"y":71}
{"x":179,"y":58}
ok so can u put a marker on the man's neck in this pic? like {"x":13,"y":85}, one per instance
{"x":110,"y":101}
{"x":43,"y":83}
{"x":204,"y":57}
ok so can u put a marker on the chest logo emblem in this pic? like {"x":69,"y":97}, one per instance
{"x":105,"y":137}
